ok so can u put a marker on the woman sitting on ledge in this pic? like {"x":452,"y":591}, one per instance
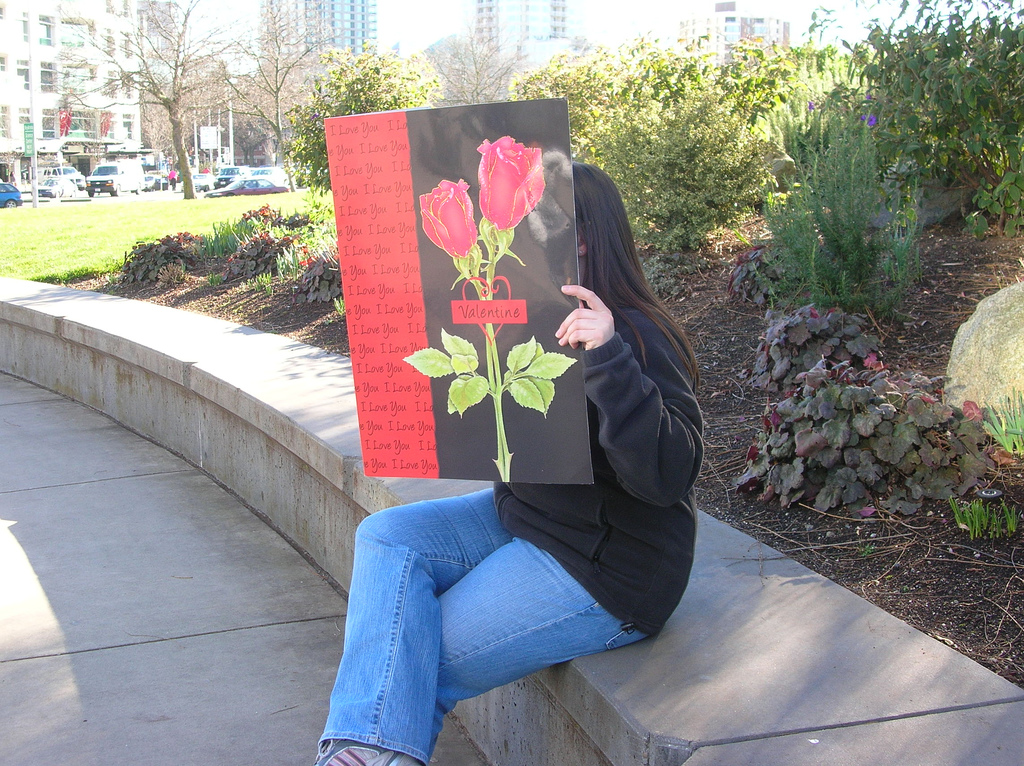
{"x":451,"y":598}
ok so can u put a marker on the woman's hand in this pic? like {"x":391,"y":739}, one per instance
{"x":591,"y":325}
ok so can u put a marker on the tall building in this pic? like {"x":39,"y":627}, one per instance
{"x":731,"y":22}
{"x":339,"y":23}
{"x":77,"y":105}
{"x":535,"y":29}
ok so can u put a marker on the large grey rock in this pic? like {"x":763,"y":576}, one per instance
{"x":986,"y":363}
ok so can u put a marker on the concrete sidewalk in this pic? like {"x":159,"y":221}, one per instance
{"x":147,"y":616}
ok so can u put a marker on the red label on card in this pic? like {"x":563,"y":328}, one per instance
{"x":489,"y":312}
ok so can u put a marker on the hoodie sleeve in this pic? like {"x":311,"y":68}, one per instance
{"x":650,"y":426}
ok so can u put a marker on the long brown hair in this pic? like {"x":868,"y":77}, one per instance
{"x":613,"y":268}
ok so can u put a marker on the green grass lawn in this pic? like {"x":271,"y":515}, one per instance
{"x":58,"y":242}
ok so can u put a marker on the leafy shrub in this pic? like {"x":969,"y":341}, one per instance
{"x":257,"y":255}
{"x":685,"y":168}
{"x":292,"y":222}
{"x":262,"y":218}
{"x":754,"y":275}
{"x":824,"y":233}
{"x":350,"y":83}
{"x":823,"y":82}
{"x":864,"y":438}
{"x":798,"y":341}
{"x":146,"y":260}
{"x":948,"y":81}
{"x":666,"y":273}
{"x":321,"y":279}
{"x":672,"y":128}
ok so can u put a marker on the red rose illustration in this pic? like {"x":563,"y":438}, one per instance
{"x":448,"y":218}
{"x":511,"y":181}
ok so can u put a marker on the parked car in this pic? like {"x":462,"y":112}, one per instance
{"x":65,"y":171}
{"x":230,"y":174}
{"x":115,"y":177}
{"x":245,"y":186}
{"x":276,"y":176}
{"x":9,"y":195}
{"x":58,"y":186}
{"x":203,"y":181}
{"x":155,"y":182}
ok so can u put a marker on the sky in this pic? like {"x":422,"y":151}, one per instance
{"x":415,"y":25}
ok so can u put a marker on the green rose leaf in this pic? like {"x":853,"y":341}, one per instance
{"x":533,"y":393}
{"x":521,"y":356}
{"x":431,"y":362}
{"x":550,"y":365}
{"x":466,"y":391}
{"x":455,"y":345}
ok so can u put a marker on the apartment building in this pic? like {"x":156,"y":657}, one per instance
{"x":57,"y":72}
{"x":535,"y":29}
{"x":729,"y":22}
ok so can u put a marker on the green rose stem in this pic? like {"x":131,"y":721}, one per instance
{"x":486,"y":292}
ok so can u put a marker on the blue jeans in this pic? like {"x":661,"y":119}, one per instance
{"x":445,"y":604}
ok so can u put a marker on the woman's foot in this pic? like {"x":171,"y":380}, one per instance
{"x":345,"y":752}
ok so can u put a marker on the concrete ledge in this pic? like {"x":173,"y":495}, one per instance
{"x":764,"y":662}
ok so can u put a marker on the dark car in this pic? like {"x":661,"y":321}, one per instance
{"x":248,"y":186}
{"x":229,"y":175}
{"x":9,"y":196}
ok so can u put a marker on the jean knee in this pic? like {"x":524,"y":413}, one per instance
{"x":383,"y":525}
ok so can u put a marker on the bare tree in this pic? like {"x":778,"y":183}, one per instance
{"x":474,"y":67}
{"x":271,"y":69}
{"x":156,"y":128}
{"x":251,"y":135}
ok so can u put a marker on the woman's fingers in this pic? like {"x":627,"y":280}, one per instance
{"x":591,"y":325}
{"x":587,"y":296}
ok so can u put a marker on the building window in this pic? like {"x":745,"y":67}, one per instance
{"x":5,"y":121}
{"x":48,"y":129}
{"x":129,"y":127}
{"x":3,"y":63}
{"x":47,"y":77}
{"x":23,"y":73}
{"x":24,"y":27}
{"x":46,"y":28}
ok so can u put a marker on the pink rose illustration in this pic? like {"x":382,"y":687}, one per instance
{"x":448,"y":218}
{"x":511,"y":181}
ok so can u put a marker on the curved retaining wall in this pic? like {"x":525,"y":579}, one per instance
{"x":764,"y":662}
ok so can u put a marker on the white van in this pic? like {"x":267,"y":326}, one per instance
{"x":115,"y":177}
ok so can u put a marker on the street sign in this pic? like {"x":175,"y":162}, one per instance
{"x":209,"y":137}
{"x":30,"y":139}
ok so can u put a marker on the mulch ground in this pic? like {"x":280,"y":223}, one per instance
{"x":968,"y":594}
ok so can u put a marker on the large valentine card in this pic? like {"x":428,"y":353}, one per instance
{"x":456,"y":231}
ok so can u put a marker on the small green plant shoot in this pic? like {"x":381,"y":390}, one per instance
{"x":981,"y":519}
{"x":1005,"y":423}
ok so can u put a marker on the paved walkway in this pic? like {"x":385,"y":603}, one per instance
{"x":146,"y":616}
